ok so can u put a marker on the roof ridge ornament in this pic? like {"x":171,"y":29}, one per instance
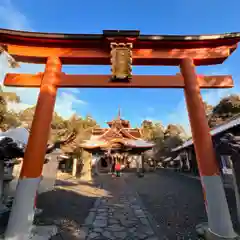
{"x":119,"y":113}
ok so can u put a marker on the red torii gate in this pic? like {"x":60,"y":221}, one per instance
{"x":124,"y":48}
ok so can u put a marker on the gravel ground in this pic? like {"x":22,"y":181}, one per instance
{"x":176,"y":202}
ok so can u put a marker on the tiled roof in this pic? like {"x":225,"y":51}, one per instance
{"x":19,"y":135}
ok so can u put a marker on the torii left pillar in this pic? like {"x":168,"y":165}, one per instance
{"x":22,"y":214}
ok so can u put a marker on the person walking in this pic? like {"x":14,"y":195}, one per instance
{"x":118,"y":169}
{"x":113,"y":166}
{"x":94,"y":164}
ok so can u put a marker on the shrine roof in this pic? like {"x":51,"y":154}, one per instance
{"x":139,"y":143}
{"x":103,"y":138}
{"x":24,"y":46}
{"x":109,"y":133}
{"x":122,"y":133}
{"x":19,"y":135}
{"x":99,"y":131}
{"x":124,"y":122}
{"x":135,"y":132}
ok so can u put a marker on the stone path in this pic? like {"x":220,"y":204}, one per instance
{"x":119,"y":215}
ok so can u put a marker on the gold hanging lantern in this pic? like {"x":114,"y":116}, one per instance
{"x":121,"y":60}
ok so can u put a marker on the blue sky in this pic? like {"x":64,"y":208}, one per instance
{"x":150,"y":17}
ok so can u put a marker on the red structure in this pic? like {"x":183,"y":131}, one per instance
{"x":121,"y":49}
{"x":118,"y":137}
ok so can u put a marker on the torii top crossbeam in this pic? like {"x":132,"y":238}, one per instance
{"x":93,"y":49}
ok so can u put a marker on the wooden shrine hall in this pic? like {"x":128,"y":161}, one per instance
{"x":118,"y":140}
{"x":120,"y":50}
{"x":119,"y":137}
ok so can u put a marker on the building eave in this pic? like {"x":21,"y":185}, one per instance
{"x":218,"y":129}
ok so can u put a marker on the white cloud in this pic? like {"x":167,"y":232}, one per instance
{"x":73,"y":90}
{"x":64,"y":104}
{"x":17,"y":107}
{"x":12,"y":18}
{"x":212,"y":97}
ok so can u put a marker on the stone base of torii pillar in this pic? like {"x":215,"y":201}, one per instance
{"x":203,"y":231}
{"x":43,"y":232}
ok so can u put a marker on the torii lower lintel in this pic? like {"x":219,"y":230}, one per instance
{"x":104,"y":81}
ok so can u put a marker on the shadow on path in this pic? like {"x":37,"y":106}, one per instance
{"x":67,"y":206}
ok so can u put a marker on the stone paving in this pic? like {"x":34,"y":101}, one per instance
{"x":118,"y":216}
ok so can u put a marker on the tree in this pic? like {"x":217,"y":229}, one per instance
{"x":208,"y":108}
{"x":58,"y":122}
{"x":10,"y":121}
{"x":175,"y":130}
{"x":8,"y":118}
{"x":61,"y":128}
{"x":174,"y":136}
{"x":83,"y":128}
{"x":26,"y":116}
{"x":165,"y":140}
{"x":152,"y":131}
{"x":158,"y":132}
{"x":147,"y":129}
{"x":228,"y":107}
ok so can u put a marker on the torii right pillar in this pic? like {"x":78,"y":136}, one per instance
{"x":219,"y":219}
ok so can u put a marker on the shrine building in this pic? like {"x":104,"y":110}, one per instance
{"x":119,"y":140}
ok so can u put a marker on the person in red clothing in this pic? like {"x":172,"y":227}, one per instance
{"x":118,"y":169}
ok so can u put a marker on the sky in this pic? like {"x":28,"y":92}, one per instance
{"x":150,"y":17}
